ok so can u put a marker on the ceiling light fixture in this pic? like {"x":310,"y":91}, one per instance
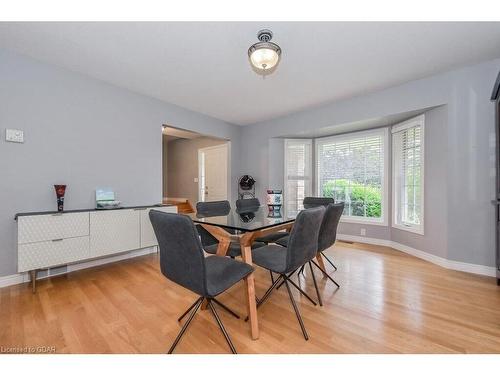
{"x":264,"y":55}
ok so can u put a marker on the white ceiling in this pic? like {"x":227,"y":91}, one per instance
{"x":204,"y":66}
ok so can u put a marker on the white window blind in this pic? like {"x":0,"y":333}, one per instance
{"x":352,"y":169}
{"x":408,"y":175}
{"x":298,"y":179}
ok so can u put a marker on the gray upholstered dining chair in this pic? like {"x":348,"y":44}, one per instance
{"x":246,"y":204}
{"x":326,"y":238}
{"x":210,"y":243}
{"x":309,"y":202}
{"x":302,"y":248}
{"x":182,"y":261}
{"x":249,"y":203}
{"x":213,"y":208}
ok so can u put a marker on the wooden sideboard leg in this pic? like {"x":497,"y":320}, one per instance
{"x":33,"y":280}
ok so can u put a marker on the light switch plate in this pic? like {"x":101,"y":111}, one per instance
{"x":14,"y":135}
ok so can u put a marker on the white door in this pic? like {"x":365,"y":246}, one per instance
{"x":213,"y":173}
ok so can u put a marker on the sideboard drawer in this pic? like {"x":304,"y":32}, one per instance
{"x":44,"y":254}
{"x":51,"y":227}
{"x":148,"y":237}
{"x":114,"y":231}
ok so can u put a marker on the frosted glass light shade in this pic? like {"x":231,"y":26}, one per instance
{"x":264,"y":56}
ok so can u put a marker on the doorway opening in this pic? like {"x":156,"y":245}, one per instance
{"x":195,"y":167}
{"x":212,"y":173}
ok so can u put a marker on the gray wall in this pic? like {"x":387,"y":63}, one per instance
{"x":84,"y":133}
{"x":467,"y":155}
{"x":182,"y":166}
{"x":435,"y":238}
{"x":87,"y":134}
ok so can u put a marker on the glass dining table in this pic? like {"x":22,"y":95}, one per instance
{"x":244,"y":226}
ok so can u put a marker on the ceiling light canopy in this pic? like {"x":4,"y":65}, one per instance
{"x":264,"y":55}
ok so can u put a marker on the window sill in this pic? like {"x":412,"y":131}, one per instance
{"x":352,"y":220}
{"x":412,"y":229}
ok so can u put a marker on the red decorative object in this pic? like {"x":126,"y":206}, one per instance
{"x":60,"y":190}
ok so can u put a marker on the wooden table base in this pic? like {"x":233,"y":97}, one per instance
{"x":246,"y":239}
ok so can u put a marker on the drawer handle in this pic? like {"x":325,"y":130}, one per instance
{"x":57,"y":239}
{"x":139,"y":209}
{"x":59,"y":214}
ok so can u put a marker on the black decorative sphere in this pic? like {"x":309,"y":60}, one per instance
{"x":246,"y":182}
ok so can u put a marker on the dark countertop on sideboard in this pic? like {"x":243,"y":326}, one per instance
{"x":89,"y":210}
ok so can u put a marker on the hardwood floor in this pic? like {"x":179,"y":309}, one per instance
{"x":389,"y":302}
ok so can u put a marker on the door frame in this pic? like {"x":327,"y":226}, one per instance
{"x":227,"y":146}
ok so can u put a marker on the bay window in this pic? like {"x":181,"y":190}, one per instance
{"x":352,"y":169}
{"x":298,"y":176}
{"x":408,"y":175}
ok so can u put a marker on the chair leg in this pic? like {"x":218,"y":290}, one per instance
{"x":329,"y":261}
{"x":268,"y":292}
{"x":302,"y":269}
{"x":301,"y":291}
{"x":272,"y":277}
{"x":324,"y":273}
{"x":297,"y":312}
{"x":188,"y":310}
{"x":315,"y":284}
{"x":221,"y":326}
{"x":226,"y":308}
{"x":289,"y":275}
{"x":184,"y":327}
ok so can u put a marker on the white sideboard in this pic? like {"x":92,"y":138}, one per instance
{"x":48,"y":240}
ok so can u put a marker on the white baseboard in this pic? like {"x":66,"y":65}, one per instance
{"x":18,"y":278}
{"x":443,"y":262}
{"x":368,"y":240}
{"x":24,"y":277}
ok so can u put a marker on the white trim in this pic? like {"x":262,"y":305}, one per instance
{"x":229,"y":186}
{"x":362,"y":220}
{"x":419,"y":120}
{"x":17,"y":278}
{"x":442,"y":262}
{"x":201,"y":197}
{"x":418,"y":229}
{"x":367,"y":240}
{"x":308,"y":180}
{"x":384,"y":132}
{"x":24,"y":277}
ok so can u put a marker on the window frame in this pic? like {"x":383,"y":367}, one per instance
{"x":308,"y":183}
{"x":396,"y":179}
{"x":384,"y":133}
